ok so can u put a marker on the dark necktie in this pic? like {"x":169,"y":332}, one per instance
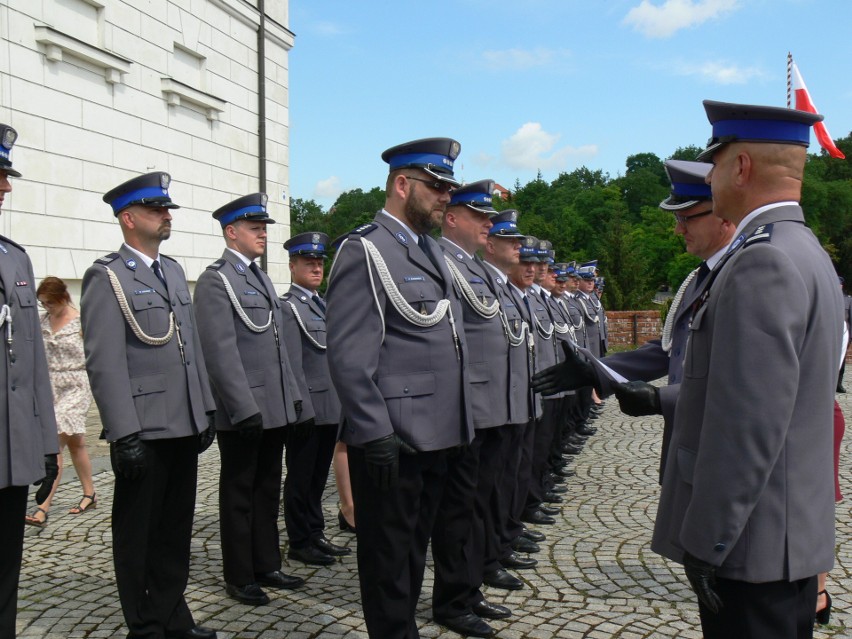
{"x":703,"y":272}
{"x":318,"y":301}
{"x":155,"y":266}
{"x":424,"y":246}
{"x":527,"y":304}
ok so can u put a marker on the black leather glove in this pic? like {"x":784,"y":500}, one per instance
{"x":205,"y":439}
{"x":382,"y":459}
{"x":298,"y":406}
{"x":702,"y":578}
{"x":251,"y":428}
{"x":575,"y":372}
{"x":51,"y":472}
{"x":301,"y":431}
{"x":638,"y":399}
{"x":128,"y":457}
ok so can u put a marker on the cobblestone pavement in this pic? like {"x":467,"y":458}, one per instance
{"x":596,"y":578}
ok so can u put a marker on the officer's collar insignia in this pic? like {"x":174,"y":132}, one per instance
{"x":303,"y":298}
{"x":131,"y":264}
{"x":402,"y":237}
{"x":761,"y":234}
{"x":460,"y":257}
{"x":240,"y":267}
{"x":733,"y":247}
{"x":499,"y":281}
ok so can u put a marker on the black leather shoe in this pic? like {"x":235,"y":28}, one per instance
{"x":516,"y":562}
{"x":537,"y":517}
{"x":841,"y":389}
{"x":587,"y":430}
{"x":488,"y":610}
{"x":533,"y":535}
{"x":250,"y":594}
{"x":311,"y":555}
{"x":468,"y":625}
{"x":522,"y":544}
{"x":564,"y":473}
{"x":552,"y":498}
{"x":196,"y":632}
{"x":549,"y":510}
{"x":345,"y":526}
{"x":278,"y":579}
{"x":329,"y":548}
{"x":502,"y":578}
{"x":570,"y":449}
{"x":559,"y":490}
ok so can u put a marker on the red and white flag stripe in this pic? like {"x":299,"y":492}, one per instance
{"x":803,"y":102}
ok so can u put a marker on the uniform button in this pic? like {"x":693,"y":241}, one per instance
{"x":719,"y":547}
{"x":677,"y":352}
{"x":14,"y":387}
{"x":405,"y":390}
{"x":139,"y":390}
{"x":149,"y":302}
{"x":310,"y":388}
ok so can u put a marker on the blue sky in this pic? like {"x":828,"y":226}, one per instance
{"x":547,"y":85}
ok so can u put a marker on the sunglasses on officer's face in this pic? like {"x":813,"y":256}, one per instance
{"x":435,"y":185}
{"x":685,"y":219}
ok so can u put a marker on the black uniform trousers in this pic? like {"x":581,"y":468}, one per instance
{"x":308,"y":461}
{"x":151,"y":530}
{"x":772,"y":610}
{"x":13,"y":508}
{"x":507,"y":524}
{"x":455,"y":528}
{"x":545,"y":430}
{"x":521,"y":467}
{"x":249,"y":500}
{"x":393,"y":535}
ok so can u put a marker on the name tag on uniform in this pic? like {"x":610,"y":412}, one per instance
{"x":249,"y":292}
{"x":143,"y":291}
{"x":414,"y":278}
{"x":476,"y":280}
{"x":21,"y":283}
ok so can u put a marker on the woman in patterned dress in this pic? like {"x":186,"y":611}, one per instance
{"x":63,"y":340}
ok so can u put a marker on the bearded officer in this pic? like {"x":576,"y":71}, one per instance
{"x":747,"y":502}
{"x":149,"y":380}
{"x":397,"y":357}
{"x":28,"y":443}
{"x":310,"y":446}
{"x":241,"y":327}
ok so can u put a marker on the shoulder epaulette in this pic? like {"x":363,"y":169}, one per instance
{"x":762,"y":233}
{"x":12,"y":242}
{"x":360,"y":231}
{"x":286,"y":296}
{"x":215,"y":266}
{"x":168,"y":258}
{"x":107,"y":259}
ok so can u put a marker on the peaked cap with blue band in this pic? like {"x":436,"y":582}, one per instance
{"x":308,"y":244}
{"x":754,"y":123}
{"x":248,"y":207}
{"x":506,"y":224}
{"x":8,"y":135}
{"x":435,"y":156}
{"x":587,"y":271}
{"x":688,"y":185}
{"x":542,"y":250}
{"x":529,"y":249}
{"x":476,"y":195}
{"x":151,"y":189}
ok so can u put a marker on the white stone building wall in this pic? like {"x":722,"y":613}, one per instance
{"x":102,"y":90}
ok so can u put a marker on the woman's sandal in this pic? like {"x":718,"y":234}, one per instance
{"x":31,"y":520}
{"x":79,"y":508}
{"x":823,"y":615}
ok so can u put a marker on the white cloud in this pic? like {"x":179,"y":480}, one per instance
{"x":720,"y":73}
{"x":532,"y":148}
{"x":662,"y":21}
{"x":328,"y":188}
{"x":523,"y":59}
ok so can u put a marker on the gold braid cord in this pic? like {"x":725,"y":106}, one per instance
{"x":668,"y":327}
{"x":486,"y":312}
{"x":238,"y":309}
{"x":131,"y":320}
{"x":304,"y":328}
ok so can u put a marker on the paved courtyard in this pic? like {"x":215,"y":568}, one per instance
{"x":596,"y":578}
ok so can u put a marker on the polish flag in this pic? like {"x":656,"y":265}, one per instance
{"x":804,"y":103}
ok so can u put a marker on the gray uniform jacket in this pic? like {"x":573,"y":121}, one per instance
{"x":310,"y":326}
{"x":749,"y":484}
{"x":150,"y":390}
{"x":595,"y":319}
{"x":533,"y":364}
{"x":391,"y":375}
{"x":27,"y":422}
{"x":487,"y":346}
{"x":249,"y":371}
{"x":521,"y":403}
{"x":574,"y":311}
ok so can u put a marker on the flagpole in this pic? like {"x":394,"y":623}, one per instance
{"x":789,"y":80}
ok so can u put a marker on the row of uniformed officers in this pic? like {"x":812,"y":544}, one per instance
{"x":431,"y":350}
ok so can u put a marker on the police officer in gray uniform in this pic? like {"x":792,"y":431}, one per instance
{"x":241,"y":325}
{"x":747,"y":501}
{"x":149,"y":380}
{"x":847,"y":317}
{"x":460,"y":530}
{"x":28,"y":442}
{"x":310,"y":446}
{"x":397,"y":356}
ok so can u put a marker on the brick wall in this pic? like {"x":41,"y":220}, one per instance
{"x":100,"y":91}
{"x":633,"y":328}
